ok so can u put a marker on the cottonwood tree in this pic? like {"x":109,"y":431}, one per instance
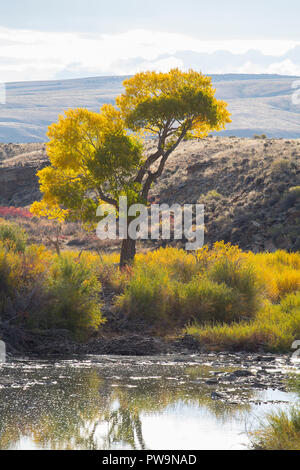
{"x":97,"y":157}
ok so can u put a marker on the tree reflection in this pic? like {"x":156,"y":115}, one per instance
{"x":125,"y":427}
{"x":88,"y":409}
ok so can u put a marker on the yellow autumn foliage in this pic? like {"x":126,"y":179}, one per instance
{"x":97,"y":157}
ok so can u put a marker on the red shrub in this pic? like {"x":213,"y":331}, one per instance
{"x":15,"y":212}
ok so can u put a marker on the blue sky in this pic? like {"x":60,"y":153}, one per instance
{"x":42,"y":40}
{"x":218,"y":19}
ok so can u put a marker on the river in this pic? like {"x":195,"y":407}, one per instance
{"x":111,"y":402}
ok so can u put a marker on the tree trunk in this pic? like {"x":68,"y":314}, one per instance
{"x":128,"y":252}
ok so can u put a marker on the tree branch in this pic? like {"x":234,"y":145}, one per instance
{"x":152,"y":177}
{"x":156,"y":155}
{"x":108,"y":199}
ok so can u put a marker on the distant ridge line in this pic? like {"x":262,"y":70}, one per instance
{"x":238,"y":76}
{"x":259,"y":104}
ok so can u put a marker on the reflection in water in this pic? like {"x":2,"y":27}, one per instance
{"x":114,"y":403}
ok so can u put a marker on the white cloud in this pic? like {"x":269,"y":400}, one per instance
{"x":34,"y":55}
{"x":285,"y":67}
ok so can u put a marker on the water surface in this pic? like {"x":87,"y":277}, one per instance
{"x":127,"y":403}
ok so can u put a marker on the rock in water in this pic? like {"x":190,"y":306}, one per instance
{"x":242,"y":373}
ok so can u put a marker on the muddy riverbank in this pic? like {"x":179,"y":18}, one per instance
{"x":259,"y":371}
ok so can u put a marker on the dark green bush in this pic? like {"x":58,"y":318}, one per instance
{"x":241,"y":278}
{"x":204,"y":301}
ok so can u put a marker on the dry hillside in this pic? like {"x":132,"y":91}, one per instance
{"x":247,"y":186}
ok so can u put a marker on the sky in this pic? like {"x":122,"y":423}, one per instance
{"x":57,"y":39}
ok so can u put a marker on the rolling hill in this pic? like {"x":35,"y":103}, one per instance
{"x":258,"y":103}
{"x":250,"y":189}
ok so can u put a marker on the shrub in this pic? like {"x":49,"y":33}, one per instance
{"x":179,"y":264}
{"x":280,"y":165}
{"x":274,"y":328}
{"x":72,"y":296}
{"x":291,"y":304}
{"x":171,"y":286}
{"x":295,"y":191}
{"x":220,"y":251}
{"x":281,"y":432}
{"x":241,"y":278}
{"x":13,"y":236}
{"x":109,"y":273}
{"x":147,"y":295}
{"x":15,"y":212}
{"x":204,"y":301}
{"x":42,"y":290}
{"x":262,"y":136}
{"x":279,"y":273}
{"x":288,"y":282}
{"x":291,"y":197}
{"x":212,"y":195}
{"x":21,"y":281}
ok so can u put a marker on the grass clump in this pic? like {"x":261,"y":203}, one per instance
{"x":12,"y":236}
{"x":148,"y":295}
{"x":204,"y":301}
{"x":274,"y":328}
{"x":240,"y":277}
{"x":212,"y":196}
{"x":172,"y":287}
{"x":291,"y":197}
{"x":39,"y":289}
{"x":281,"y":165}
{"x":281,"y":432}
{"x":295,"y":191}
{"x":72,"y":297}
{"x":262,"y":136}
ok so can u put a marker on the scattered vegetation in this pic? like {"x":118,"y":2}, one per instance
{"x":281,"y":165}
{"x":39,"y":289}
{"x":276,"y":324}
{"x":224,"y":297}
{"x":172,"y":287}
{"x":228,"y":299}
{"x":262,"y":136}
{"x":281,"y":432}
{"x":212,"y":195}
{"x":15,"y":212}
{"x":12,"y":236}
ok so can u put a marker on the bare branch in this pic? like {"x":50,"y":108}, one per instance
{"x":163,"y":135}
{"x":152,"y":177}
{"x":107,"y":199}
